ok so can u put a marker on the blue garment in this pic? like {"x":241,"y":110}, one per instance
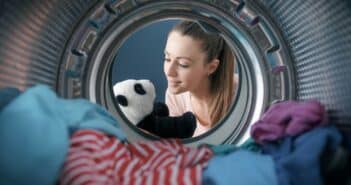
{"x":297,"y":159}
{"x":240,"y":167}
{"x":224,"y":149}
{"x":336,"y":164}
{"x":34,"y":134}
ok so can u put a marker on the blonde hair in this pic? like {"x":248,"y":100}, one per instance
{"x":222,"y":80}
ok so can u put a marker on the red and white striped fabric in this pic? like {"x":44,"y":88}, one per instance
{"x":96,"y":158}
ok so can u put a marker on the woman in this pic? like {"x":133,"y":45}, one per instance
{"x":199,"y":68}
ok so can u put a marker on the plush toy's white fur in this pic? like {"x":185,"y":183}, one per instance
{"x":138,"y":105}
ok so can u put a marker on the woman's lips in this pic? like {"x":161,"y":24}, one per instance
{"x":173,"y":83}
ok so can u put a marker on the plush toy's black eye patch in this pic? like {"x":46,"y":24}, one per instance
{"x":139,"y":89}
{"x":122,"y":100}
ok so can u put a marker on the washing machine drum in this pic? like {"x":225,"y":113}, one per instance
{"x":292,"y":49}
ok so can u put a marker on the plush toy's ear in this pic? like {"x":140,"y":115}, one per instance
{"x":122,"y":100}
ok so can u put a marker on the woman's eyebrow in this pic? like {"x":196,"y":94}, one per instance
{"x":166,"y":53}
{"x":181,"y":57}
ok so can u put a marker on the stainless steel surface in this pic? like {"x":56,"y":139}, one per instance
{"x":33,"y":35}
{"x":319,"y":33}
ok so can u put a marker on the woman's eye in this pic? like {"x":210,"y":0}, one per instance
{"x":167,"y":60}
{"x":183,"y":65}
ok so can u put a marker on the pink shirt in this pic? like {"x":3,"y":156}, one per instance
{"x":179,"y":104}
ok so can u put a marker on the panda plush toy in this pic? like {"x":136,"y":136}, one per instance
{"x":136,"y":99}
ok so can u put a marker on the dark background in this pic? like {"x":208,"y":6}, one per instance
{"x":142,"y":55}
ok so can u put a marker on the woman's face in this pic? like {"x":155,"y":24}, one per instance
{"x":184,"y":64}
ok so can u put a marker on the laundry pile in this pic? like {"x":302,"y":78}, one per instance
{"x":48,"y":140}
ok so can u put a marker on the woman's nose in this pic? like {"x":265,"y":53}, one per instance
{"x":170,"y":69}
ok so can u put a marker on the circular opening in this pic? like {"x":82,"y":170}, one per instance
{"x":150,"y":44}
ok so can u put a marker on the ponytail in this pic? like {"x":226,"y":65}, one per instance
{"x":222,"y":80}
{"x":222,"y":84}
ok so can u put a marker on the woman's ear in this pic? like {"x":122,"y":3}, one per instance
{"x":212,"y":66}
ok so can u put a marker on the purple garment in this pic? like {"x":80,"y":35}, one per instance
{"x":288,"y":118}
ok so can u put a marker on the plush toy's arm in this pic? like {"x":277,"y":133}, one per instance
{"x":170,"y":127}
{"x":181,"y":126}
{"x":160,"y":109}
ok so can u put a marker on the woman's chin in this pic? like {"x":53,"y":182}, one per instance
{"x":175,"y":90}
